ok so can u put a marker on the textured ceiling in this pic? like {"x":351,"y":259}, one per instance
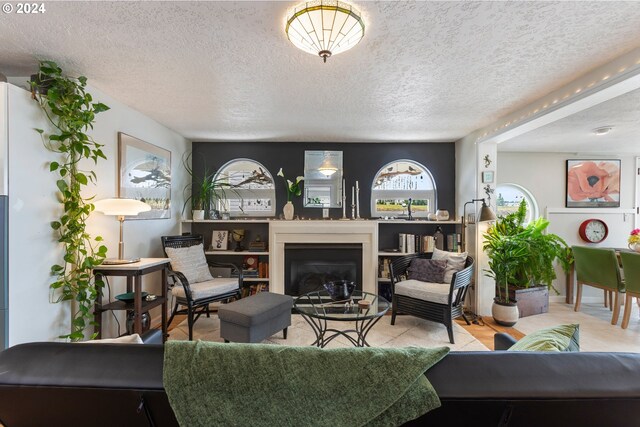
{"x":425,"y":71}
{"x":574,"y":134}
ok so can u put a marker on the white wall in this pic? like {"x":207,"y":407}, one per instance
{"x":469,"y":166}
{"x":543,"y":174}
{"x":32,"y":205}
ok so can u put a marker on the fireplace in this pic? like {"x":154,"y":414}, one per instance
{"x":309,"y":266}
{"x":285,"y":233}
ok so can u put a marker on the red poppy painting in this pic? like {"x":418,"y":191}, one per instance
{"x":593,"y":183}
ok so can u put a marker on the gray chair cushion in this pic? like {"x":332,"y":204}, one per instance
{"x":255,"y":309}
{"x":207,"y":289}
{"x":425,"y":291}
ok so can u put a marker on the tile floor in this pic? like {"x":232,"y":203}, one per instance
{"x":596,"y":331}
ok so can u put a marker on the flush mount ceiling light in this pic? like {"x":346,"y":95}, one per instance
{"x":603,"y":130}
{"x":324,"y":27}
{"x":326,"y":168}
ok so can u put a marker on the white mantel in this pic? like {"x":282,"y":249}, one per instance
{"x":362,"y":232}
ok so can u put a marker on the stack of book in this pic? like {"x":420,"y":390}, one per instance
{"x":412,"y":243}
{"x":246,"y":273}
{"x":263,"y":269}
{"x":254,"y":289}
{"x":453,"y":242}
{"x":383,"y":268}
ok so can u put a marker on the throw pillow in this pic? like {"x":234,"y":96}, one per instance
{"x":427,"y":270}
{"x":558,"y":338}
{"x":455,"y":262}
{"x":191,"y":262}
{"x":125,"y":339}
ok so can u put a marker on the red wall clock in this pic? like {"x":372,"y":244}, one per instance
{"x":593,"y":230}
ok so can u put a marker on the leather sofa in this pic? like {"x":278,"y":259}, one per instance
{"x":65,"y":384}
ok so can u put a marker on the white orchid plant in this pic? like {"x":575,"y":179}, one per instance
{"x":293,"y":188}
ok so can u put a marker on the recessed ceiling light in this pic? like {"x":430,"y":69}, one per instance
{"x":603,"y":130}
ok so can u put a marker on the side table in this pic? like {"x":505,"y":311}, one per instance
{"x":134,"y":272}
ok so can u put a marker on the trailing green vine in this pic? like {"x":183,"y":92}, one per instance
{"x":71,"y":111}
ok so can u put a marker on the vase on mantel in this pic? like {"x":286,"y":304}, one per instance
{"x":288,"y":211}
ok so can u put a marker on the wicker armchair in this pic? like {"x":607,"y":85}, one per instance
{"x":436,"y":302}
{"x":196,"y":297}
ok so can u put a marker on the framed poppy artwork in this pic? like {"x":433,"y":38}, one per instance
{"x":593,"y":183}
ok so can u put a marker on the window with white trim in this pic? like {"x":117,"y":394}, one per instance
{"x":396,"y":183}
{"x":508,"y":198}
{"x":249,"y":191}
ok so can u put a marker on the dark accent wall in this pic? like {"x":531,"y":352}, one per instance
{"x":361,"y":161}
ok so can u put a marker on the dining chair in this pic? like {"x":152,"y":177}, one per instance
{"x":598,"y":268}
{"x":631,"y":268}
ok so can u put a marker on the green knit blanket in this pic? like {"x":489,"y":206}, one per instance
{"x":230,"y":384}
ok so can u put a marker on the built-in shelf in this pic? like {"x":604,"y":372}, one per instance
{"x":255,"y":279}
{"x":262,"y":253}
{"x":383,"y":253}
{"x":225,"y":221}
{"x":267,"y":220}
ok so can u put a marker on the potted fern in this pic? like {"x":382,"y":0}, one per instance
{"x":521,"y":258}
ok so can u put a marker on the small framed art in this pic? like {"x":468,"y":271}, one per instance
{"x":219,"y":240}
{"x":487,"y":177}
{"x":593,"y":183}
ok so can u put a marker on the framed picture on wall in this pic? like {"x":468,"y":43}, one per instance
{"x":593,"y":183}
{"x":145,"y":175}
{"x":219,"y":240}
{"x":487,"y":177}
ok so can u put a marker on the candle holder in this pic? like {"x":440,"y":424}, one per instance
{"x":344,"y":200}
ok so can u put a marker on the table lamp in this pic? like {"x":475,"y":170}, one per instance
{"x":486,"y":214}
{"x":119,"y":208}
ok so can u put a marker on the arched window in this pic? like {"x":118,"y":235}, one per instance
{"x":509,"y":197}
{"x":249,"y":189}
{"x":396,"y":183}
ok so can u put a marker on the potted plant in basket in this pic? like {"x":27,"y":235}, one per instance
{"x":521,"y":257}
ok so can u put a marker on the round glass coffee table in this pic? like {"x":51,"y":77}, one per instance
{"x":317,"y":309}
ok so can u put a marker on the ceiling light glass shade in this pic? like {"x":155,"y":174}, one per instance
{"x":120,"y":207}
{"x":326,"y":168}
{"x":324,"y":27}
{"x":327,"y":171}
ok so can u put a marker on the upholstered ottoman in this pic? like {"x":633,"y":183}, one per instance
{"x":255,"y":318}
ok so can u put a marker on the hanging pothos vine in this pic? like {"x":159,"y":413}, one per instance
{"x":71,"y":112}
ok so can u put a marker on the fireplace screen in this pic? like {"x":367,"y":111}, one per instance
{"x":308,"y":267}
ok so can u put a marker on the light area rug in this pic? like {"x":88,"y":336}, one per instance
{"x":408,"y":331}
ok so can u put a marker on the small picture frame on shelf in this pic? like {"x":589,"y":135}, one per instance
{"x":487,"y":177}
{"x":219,"y":240}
